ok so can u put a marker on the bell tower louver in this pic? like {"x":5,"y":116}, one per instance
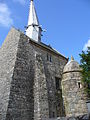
{"x":33,"y":30}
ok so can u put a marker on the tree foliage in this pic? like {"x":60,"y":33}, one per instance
{"x":85,"y":65}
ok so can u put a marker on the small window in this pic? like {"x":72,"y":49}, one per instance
{"x":57,"y":80}
{"x":89,"y":85}
{"x":79,"y":85}
{"x":50,"y":58}
{"x":53,"y":115}
{"x":47,"y":57}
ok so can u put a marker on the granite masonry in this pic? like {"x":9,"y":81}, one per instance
{"x":36,"y":81}
{"x":30,"y":79}
{"x":73,"y":91}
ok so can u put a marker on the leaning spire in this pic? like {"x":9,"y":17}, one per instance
{"x":33,"y":30}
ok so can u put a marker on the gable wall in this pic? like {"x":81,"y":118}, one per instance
{"x":20,"y":69}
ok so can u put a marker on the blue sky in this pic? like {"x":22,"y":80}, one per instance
{"x":67,"y":22}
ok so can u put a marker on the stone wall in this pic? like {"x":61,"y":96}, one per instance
{"x":8,"y":53}
{"x":27,"y":79}
{"x":53,"y":69}
{"x":73,"y":94}
{"x":21,"y":99}
{"x":41,"y":108}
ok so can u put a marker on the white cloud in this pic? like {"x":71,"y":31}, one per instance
{"x":5,"y":15}
{"x":86,"y":45}
{"x":20,"y":1}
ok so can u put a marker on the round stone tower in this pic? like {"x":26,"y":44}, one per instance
{"x":72,"y":90}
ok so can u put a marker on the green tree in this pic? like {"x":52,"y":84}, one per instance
{"x":85,"y":65}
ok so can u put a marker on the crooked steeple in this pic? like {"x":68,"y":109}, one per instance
{"x":33,"y":30}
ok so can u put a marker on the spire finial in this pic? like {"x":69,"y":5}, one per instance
{"x":72,"y":58}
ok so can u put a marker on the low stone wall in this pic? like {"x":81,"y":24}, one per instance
{"x":62,"y":118}
{"x":83,"y":117}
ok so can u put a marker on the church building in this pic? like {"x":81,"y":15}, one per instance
{"x":36,"y":81}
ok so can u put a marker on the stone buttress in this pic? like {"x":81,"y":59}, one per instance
{"x":23,"y":90}
{"x":41,"y":108}
{"x":8,"y":53}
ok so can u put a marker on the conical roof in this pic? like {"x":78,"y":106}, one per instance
{"x":72,"y":66}
{"x":33,"y":19}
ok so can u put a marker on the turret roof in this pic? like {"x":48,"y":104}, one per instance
{"x":72,"y":66}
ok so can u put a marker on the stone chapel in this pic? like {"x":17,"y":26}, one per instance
{"x":36,"y":81}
